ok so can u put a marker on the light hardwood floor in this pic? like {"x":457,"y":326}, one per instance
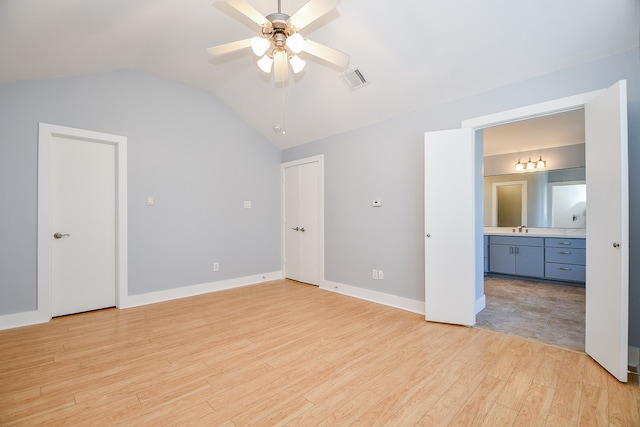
{"x":284,"y":353}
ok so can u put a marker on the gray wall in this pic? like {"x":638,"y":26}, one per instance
{"x":384,"y":161}
{"x":185,"y":148}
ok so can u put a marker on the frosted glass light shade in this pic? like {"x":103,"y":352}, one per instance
{"x":530,"y":165}
{"x":541,"y":164}
{"x":295,"y":43}
{"x":297,"y":64}
{"x":259,"y":45}
{"x":265,"y":63}
{"x":519,"y":166}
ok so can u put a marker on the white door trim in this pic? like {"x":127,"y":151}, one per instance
{"x":313,"y":159}
{"x":531,"y":111}
{"x":46,"y":134}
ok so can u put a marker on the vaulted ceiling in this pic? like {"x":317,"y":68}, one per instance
{"x":415,"y":53}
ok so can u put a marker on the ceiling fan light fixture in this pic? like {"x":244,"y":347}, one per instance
{"x":265,"y":63}
{"x":295,"y":43}
{"x":297,"y":64}
{"x":260,"y":45}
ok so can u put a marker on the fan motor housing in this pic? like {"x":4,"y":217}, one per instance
{"x":279,"y":29}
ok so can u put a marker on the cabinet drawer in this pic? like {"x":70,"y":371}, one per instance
{"x":516,"y":240}
{"x":558,"y":242}
{"x":571,"y":272}
{"x":565,"y":255}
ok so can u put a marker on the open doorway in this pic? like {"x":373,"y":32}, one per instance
{"x":533,"y":204}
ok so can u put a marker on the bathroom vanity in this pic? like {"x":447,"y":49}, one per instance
{"x":554,"y":255}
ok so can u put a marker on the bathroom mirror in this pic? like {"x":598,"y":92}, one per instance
{"x":541,"y":199}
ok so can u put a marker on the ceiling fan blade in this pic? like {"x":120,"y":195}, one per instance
{"x":311,"y":11}
{"x":223,"y":49}
{"x":280,"y":67}
{"x":247,"y":10}
{"x":326,"y":53}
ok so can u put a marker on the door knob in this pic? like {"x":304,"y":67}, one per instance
{"x":616,"y":245}
{"x":295,"y":229}
{"x":302,"y":229}
{"x":60,"y":235}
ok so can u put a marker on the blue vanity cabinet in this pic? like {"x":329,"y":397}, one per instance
{"x":565,"y":259}
{"x":517,"y":255}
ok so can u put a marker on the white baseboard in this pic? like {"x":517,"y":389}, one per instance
{"x":378,"y":297}
{"x":634,"y":357}
{"x":25,"y":318}
{"x":10,"y":321}
{"x":481,"y":303}
{"x":199,"y":289}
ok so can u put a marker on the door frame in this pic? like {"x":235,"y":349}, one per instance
{"x":494,"y":201}
{"x":313,"y":159}
{"x":555,"y":106}
{"x":46,"y":134}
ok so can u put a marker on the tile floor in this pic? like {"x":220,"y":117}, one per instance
{"x":549,"y":313}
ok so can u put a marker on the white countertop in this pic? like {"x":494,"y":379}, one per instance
{"x":537,"y":232}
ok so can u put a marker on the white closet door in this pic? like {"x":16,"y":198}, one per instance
{"x":302,"y":222}
{"x":450,"y":226}
{"x":607,"y":281}
{"x":83,"y":195}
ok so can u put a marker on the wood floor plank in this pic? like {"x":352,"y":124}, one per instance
{"x":535,"y":408}
{"x":284,"y":353}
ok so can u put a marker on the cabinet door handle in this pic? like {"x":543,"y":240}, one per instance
{"x":517,"y":250}
{"x":564,"y":243}
{"x":510,"y":249}
{"x":565,"y":269}
{"x":565,"y":253}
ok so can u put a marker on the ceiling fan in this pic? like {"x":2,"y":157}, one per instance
{"x":281,"y":41}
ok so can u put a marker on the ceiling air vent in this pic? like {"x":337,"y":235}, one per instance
{"x":353,"y":79}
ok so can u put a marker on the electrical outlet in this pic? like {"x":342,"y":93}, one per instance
{"x":216,"y":266}
{"x":380,"y":275}
{"x":374,"y":274}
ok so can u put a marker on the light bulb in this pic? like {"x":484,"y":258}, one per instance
{"x":297,"y":64}
{"x":295,"y":43}
{"x":530,"y":165}
{"x":259,"y":45}
{"x":265,"y":63}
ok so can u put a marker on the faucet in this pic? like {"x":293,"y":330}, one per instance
{"x":520,"y":227}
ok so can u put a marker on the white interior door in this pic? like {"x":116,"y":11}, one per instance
{"x":83,"y":212}
{"x":302,"y":195}
{"x":607,"y":280}
{"x":450,"y":226}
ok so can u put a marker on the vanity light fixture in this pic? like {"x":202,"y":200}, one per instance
{"x":529,"y":166}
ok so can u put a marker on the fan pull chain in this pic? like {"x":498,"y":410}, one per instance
{"x":284,"y":113}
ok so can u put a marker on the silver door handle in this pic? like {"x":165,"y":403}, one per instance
{"x":295,"y":229}
{"x":60,"y":235}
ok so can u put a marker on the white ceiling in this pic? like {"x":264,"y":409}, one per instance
{"x":550,"y":131}
{"x":415,"y":53}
